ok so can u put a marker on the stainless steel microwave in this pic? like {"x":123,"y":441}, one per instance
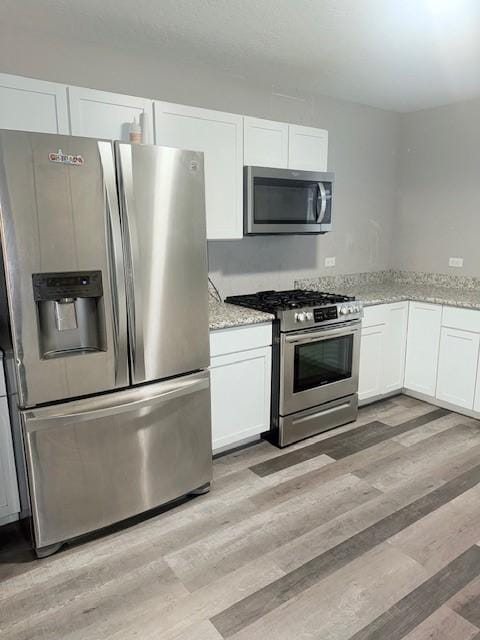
{"x":282,"y":201}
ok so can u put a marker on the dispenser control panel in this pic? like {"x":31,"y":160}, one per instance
{"x":71,"y":284}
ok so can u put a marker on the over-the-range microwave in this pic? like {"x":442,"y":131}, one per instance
{"x":282,"y":201}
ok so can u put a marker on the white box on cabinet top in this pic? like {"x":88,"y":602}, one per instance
{"x":423,"y":345}
{"x":220,"y":136}
{"x":100,"y":114}
{"x":240,"y":374}
{"x":307,"y":148}
{"x":33,"y":105}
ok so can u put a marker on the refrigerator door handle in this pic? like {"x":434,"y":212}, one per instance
{"x":132,"y":255}
{"x":98,"y":407}
{"x":117,"y":273}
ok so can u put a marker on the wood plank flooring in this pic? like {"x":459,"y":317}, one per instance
{"x":367,"y":532}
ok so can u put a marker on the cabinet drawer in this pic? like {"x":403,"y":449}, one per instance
{"x":373,"y":316}
{"x":463,"y":319}
{"x":223,"y":341}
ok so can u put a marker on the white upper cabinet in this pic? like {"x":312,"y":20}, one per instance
{"x":32,"y":105}
{"x":100,"y":114}
{"x":424,"y":324}
{"x":286,"y":146}
{"x":307,"y":148}
{"x":220,"y":137}
{"x":265,"y":143}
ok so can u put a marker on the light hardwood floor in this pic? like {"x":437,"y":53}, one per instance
{"x":367,"y":532}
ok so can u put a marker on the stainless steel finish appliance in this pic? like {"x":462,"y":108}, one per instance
{"x":105,"y":321}
{"x":285,"y":201}
{"x":315,"y":360}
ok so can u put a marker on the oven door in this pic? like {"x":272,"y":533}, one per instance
{"x":318,"y":366}
{"x":284,"y":201}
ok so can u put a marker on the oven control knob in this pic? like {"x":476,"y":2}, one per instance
{"x":309,"y":315}
{"x":300,"y":317}
{"x":343,"y":311}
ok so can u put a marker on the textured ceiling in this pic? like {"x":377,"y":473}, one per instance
{"x":395,"y":54}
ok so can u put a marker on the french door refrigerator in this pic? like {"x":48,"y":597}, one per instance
{"x":105,"y":327}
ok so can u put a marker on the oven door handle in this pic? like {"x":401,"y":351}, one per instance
{"x":323,"y":335}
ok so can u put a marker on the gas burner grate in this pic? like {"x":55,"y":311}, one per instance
{"x":272,"y":301}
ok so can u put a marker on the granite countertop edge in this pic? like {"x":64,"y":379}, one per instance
{"x":227,"y":316}
{"x":385,"y":294}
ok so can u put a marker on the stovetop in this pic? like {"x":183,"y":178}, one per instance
{"x":273,"y":301}
{"x":302,"y":309}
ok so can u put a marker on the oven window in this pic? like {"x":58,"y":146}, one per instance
{"x":285,"y":201}
{"x":322,"y":362}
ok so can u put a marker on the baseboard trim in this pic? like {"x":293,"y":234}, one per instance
{"x":440,"y":403}
{"x":13,"y":517}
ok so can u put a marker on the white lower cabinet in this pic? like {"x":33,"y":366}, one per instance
{"x":395,"y":345}
{"x":9,"y":502}
{"x":371,"y":356}
{"x":429,"y":350}
{"x":240,"y":383}
{"x":457,"y":367}
{"x":423,"y":345}
{"x":382,"y":350}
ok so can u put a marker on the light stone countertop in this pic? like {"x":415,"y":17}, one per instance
{"x":386,"y":292}
{"x":372,"y":289}
{"x":224,"y":316}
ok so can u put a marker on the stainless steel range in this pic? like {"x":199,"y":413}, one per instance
{"x":316,"y":350}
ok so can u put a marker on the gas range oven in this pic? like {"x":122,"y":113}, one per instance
{"x":315,"y":360}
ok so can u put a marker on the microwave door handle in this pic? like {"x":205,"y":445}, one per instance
{"x":321,"y":202}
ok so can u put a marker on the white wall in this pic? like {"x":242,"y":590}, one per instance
{"x":362,"y":152}
{"x":439,"y":190}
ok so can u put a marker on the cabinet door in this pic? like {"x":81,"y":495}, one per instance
{"x":219,"y":136}
{"x":265,"y":143}
{"x":395,"y":346}
{"x":99,"y":114}
{"x":33,"y":105}
{"x":424,"y":322}
{"x":240,"y":384}
{"x":371,"y":358}
{"x":9,"y":504}
{"x":307,"y":148}
{"x":457,"y":367}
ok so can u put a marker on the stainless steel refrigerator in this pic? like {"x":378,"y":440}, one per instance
{"x":105,"y":327}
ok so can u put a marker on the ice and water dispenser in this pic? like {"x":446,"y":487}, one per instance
{"x":70,"y":313}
